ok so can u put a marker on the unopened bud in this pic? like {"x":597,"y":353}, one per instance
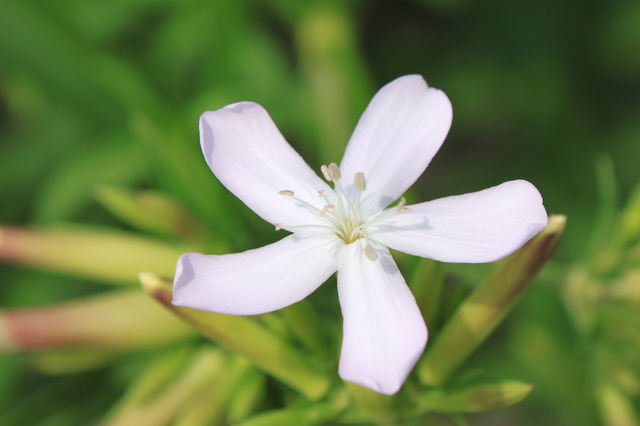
{"x":109,"y":256}
{"x":91,"y":323}
{"x":476,"y":399}
{"x":244,"y":335}
{"x":489,"y":303}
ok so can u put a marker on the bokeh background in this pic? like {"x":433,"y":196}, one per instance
{"x":107,"y":93}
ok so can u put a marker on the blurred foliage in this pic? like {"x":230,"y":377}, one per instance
{"x":99,"y":102}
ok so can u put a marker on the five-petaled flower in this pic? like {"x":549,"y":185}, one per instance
{"x":348,"y":228}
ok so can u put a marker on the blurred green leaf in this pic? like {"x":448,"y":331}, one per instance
{"x":69,"y":187}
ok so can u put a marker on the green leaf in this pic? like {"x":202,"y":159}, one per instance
{"x":153,"y":211}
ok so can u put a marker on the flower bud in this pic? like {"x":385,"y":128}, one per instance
{"x":476,"y":399}
{"x":245,"y":336}
{"x":108,"y":256}
{"x":123,"y":320}
{"x":487,"y":306}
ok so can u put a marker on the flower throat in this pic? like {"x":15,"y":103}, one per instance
{"x":345,"y":217}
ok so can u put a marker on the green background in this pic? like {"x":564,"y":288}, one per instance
{"x":109,"y":92}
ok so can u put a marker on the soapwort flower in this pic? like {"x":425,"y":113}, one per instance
{"x":348,"y":228}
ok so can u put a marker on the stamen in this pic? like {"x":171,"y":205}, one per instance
{"x":356,"y":233}
{"x":326,"y":173}
{"x":335,"y":171}
{"x":360,"y":182}
{"x":401,"y":206}
{"x":370,"y":252}
{"x":288,"y":193}
{"x":325,"y":209}
{"x":341,"y":212}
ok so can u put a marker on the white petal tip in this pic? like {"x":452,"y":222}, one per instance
{"x":369,"y":383}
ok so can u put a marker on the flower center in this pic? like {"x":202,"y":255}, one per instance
{"x":344,"y":218}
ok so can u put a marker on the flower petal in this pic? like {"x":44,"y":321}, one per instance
{"x":255,"y":281}
{"x":396,"y":138}
{"x":472,"y":228}
{"x":383,"y":332}
{"x":247,"y":153}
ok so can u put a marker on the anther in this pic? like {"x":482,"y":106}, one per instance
{"x":370,"y":252}
{"x":326,"y":173}
{"x":360,"y":182}
{"x":404,"y":210}
{"x":278,"y":226}
{"x":325,"y":209}
{"x":286,"y":193}
{"x":334,"y":170}
{"x":321,"y":193}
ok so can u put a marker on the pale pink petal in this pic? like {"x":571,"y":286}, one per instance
{"x":472,"y":228}
{"x":247,"y":153}
{"x":255,"y":281}
{"x":395,"y":139}
{"x":383,"y":332}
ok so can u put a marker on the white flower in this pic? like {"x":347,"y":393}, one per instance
{"x":348,"y":228}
